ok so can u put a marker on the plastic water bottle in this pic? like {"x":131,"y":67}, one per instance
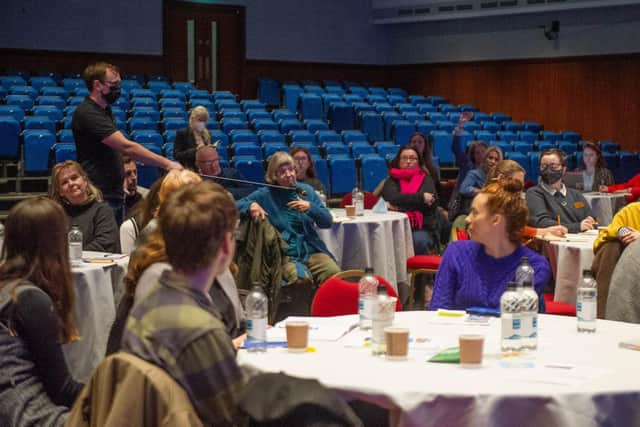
{"x":510,"y":318}
{"x":525,"y":272}
{"x":323,"y":198}
{"x":381,"y":320}
{"x":367,"y":293}
{"x":529,"y":304}
{"x":257,"y":307}
{"x":75,"y":246}
{"x":587,"y":307}
{"x":357,"y":198}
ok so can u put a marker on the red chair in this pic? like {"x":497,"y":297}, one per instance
{"x":370,"y":200}
{"x":559,"y":308}
{"x":421,"y":264}
{"x":338,"y":296}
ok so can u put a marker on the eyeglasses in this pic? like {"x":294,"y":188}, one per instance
{"x":409,"y":158}
{"x":111,"y":84}
{"x":285,"y":171}
{"x":208,"y":162}
{"x":550,"y":166}
{"x":300,"y":159}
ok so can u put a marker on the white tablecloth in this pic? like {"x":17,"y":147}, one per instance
{"x":573,"y":380}
{"x":381,"y":241}
{"x":95,"y":286}
{"x":605,"y":205}
{"x":567,"y":260}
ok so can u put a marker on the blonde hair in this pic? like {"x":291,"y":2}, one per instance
{"x":174,"y":180}
{"x":54,"y":188}
{"x":202,"y":114}
{"x":275,"y":162}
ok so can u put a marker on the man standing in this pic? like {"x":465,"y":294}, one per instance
{"x":208,"y":163}
{"x":552,"y":203}
{"x":98,"y":141}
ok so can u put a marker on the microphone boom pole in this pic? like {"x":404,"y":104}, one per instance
{"x":264,"y":184}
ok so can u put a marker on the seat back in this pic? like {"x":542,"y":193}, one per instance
{"x":126,"y":390}
{"x":337,"y":296}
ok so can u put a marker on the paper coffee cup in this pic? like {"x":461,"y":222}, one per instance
{"x":397,"y":341}
{"x":350,"y":210}
{"x":471,"y":347}
{"x":297,"y":335}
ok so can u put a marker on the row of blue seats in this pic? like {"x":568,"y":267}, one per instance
{"x":338,"y":174}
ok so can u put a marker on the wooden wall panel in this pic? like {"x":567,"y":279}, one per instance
{"x":59,"y":61}
{"x":596,"y":96}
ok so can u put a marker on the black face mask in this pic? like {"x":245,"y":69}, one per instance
{"x":112,"y":96}
{"x":551,"y":176}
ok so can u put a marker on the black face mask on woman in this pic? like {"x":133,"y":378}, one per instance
{"x":551,"y":176}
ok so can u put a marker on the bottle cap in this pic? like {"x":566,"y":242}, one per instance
{"x":368,"y":270}
{"x":382,"y":290}
{"x":586,"y":273}
{"x":525,"y":260}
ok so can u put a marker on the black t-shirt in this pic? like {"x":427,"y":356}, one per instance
{"x":91,"y":124}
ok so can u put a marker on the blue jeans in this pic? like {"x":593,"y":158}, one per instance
{"x":423,"y":242}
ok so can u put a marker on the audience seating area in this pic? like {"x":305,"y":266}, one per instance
{"x":351,"y":129}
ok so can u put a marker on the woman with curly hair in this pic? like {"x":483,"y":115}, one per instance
{"x":474,"y":273}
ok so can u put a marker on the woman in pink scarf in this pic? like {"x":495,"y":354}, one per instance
{"x":411,"y":189}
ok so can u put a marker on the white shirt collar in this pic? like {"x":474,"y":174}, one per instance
{"x":552,"y":191}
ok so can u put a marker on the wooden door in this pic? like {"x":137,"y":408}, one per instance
{"x":204,"y":44}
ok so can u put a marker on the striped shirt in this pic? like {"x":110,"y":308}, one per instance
{"x":177,"y":328}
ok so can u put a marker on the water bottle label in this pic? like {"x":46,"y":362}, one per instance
{"x":526,"y":325}
{"x":75,"y":251}
{"x":257,"y":329}
{"x":586,"y":310}
{"x":533,"y":329}
{"x":511,"y":329}
{"x":365,"y":308}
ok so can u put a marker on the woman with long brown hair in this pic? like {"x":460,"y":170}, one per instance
{"x":36,"y":315}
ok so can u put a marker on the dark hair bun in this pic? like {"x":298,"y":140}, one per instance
{"x":513,"y":186}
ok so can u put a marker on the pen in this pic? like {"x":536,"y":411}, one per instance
{"x":559,"y":220}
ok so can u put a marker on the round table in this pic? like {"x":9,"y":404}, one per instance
{"x":381,"y":241}
{"x":605,"y":205}
{"x":572,"y":380}
{"x":98,"y":287}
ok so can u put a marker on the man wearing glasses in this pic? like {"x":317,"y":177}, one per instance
{"x":99,"y":143}
{"x":552,"y":203}
{"x":208,"y":163}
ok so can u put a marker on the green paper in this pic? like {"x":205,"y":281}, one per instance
{"x":448,"y":355}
